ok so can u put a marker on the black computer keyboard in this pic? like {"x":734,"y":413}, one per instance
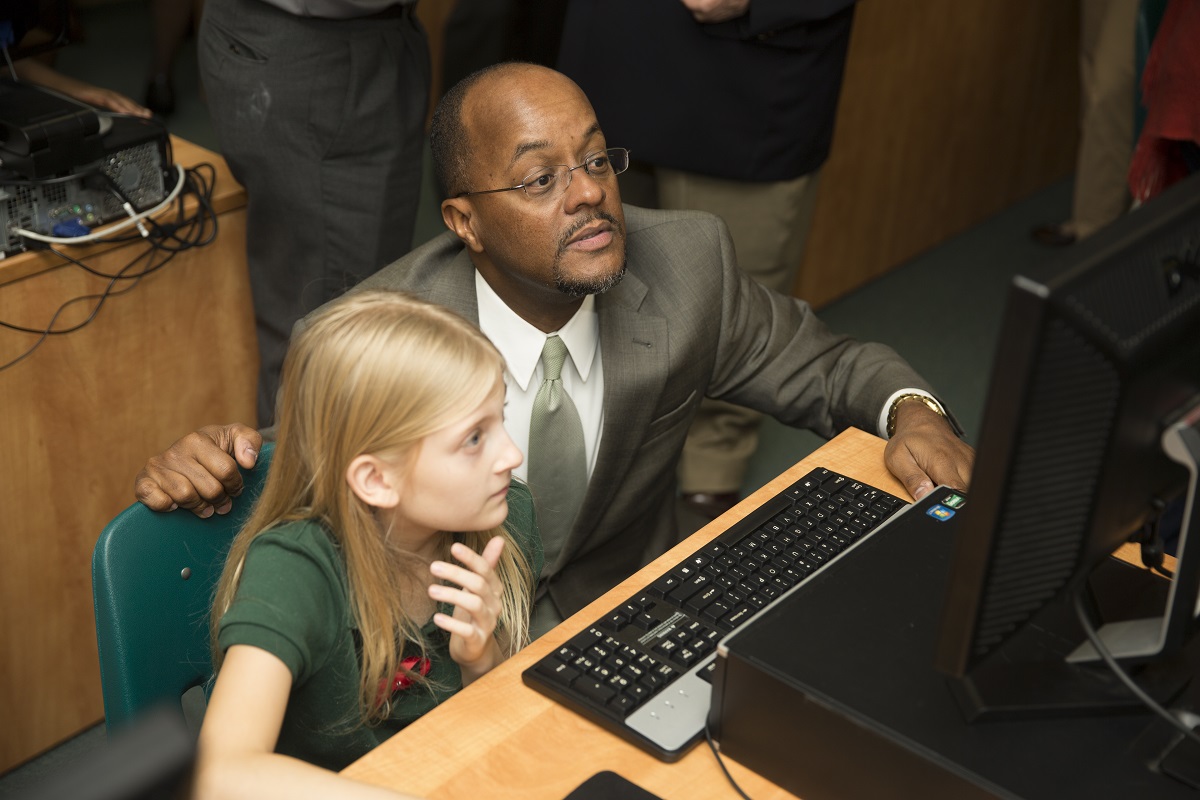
{"x":643,"y":670}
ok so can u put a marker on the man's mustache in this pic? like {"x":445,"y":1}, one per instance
{"x":583,"y":223}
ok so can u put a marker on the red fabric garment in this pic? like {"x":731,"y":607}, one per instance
{"x":1171,"y":96}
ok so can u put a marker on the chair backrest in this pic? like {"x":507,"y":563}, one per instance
{"x":153,"y":576}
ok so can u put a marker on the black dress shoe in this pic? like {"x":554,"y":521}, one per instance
{"x":1059,"y":235}
{"x":711,"y":506}
{"x":160,"y":95}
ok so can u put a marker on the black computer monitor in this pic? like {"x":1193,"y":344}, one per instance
{"x":1090,"y":428}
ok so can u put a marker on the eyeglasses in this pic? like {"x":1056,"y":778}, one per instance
{"x":554,"y":179}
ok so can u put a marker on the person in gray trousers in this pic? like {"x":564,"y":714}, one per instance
{"x":319,"y":108}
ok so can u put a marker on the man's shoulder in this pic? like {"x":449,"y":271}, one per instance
{"x":666,"y":241}
{"x":657,"y":221}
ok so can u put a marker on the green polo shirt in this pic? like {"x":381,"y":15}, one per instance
{"x":293,"y":602}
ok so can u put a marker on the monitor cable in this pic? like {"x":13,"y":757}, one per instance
{"x":1123,"y":676}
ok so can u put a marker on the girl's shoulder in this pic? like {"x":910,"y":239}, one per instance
{"x":303,"y":538}
{"x":300,"y":532}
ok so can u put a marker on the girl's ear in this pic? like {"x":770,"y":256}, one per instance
{"x":374,"y":481}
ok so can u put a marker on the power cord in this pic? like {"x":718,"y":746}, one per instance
{"x":721,"y":762}
{"x":199,"y":183}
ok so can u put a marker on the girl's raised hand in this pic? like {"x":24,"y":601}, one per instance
{"x":476,"y":602}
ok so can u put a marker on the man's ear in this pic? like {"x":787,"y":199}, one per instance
{"x":459,"y":216}
{"x":374,"y":481}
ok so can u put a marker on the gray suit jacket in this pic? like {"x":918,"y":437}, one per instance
{"x":683,"y":323}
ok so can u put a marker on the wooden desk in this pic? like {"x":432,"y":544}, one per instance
{"x":499,"y":738}
{"x":79,"y":417}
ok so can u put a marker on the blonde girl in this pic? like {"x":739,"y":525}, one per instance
{"x":389,"y":561}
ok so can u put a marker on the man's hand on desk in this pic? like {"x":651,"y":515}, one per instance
{"x":925,"y":452}
{"x":199,"y":472}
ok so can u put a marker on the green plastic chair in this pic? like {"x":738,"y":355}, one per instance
{"x":153,"y":577}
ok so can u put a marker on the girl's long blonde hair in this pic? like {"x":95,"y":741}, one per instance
{"x":375,"y":372}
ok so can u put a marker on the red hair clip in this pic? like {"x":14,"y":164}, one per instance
{"x":402,"y":679}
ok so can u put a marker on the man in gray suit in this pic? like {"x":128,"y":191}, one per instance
{"x":653,"y":310}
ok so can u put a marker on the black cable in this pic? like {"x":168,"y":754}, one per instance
{"x":1150,"y":539}
{"x":1123,"y":676}
{"x":49,"y":329}
{"x":164,"y":244}
{"x":120,"y":274}
{"x":721,"y":762}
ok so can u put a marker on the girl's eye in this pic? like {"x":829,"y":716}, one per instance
{"x":474,"y":439}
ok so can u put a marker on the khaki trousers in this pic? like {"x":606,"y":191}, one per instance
{"x":1106,"y":111}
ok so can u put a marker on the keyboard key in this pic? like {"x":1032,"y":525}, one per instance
{"x":664,"y":585}
{"x":637,"y":692}
{"x":596,"y":691}
{"x":685,"y":656}
{"x":716,"y":611}
{"x":685,"y":590}
{"x":701,"y":600}
{"x":666,"y":647}
{"x":615,"y":621}
{"x":646,"y":622}
{"x":558,"y":672}
{"x":566,"y":653}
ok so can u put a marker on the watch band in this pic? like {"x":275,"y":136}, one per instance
{"x":929,"y":402}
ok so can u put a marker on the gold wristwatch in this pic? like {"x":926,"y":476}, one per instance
{"x":930,"y":403}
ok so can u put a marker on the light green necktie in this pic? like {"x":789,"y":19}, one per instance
{"x":557,"y":463}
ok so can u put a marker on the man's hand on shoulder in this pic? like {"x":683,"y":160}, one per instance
{"x":199,"y":472}
{"x":925,"y":452}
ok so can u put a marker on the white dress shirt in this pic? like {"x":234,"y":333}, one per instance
{"x":521,"y":345}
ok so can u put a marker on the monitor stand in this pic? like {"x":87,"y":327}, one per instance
{"x":1168,"y":631}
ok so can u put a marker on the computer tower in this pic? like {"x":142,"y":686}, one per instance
{"x":58,"y":157}
{"x":832,"y":694}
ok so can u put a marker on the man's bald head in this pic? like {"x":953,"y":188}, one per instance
{"x":487,"y":93}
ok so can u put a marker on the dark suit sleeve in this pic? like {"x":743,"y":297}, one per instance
{"x":775,"y":355}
